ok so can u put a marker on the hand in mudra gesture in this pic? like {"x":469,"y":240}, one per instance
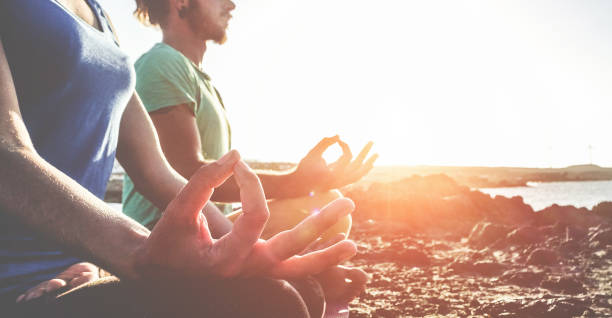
{"x":181,"y":244}
{"x":344,"y":171}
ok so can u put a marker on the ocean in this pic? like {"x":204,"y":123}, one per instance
{"x":543,"y":194}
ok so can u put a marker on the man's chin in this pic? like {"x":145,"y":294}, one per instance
{"x":221,"y":39}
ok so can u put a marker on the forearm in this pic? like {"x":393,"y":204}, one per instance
{"x":179,"y":138}
{"x":276,"y":185}
{"x":46,"y":200}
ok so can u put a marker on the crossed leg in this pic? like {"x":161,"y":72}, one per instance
{"x":244,"y":297}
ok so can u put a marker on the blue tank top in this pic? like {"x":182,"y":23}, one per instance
{"x":73,"y":83}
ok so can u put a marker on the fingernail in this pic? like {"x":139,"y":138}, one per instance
{"x":350,"y":203}
{"x":348,"y":253}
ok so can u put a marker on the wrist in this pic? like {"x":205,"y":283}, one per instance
{"x":296,"y":185}
{"x":136,"y":261}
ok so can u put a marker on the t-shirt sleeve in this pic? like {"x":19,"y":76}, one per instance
{"x":164,"y":79}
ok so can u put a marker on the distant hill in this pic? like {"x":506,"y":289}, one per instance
{"x":583,"y":168}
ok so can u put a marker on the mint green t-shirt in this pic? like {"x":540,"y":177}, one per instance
{"x":165,"y":78}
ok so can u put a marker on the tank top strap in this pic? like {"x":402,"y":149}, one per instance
{"x":105,"y":23}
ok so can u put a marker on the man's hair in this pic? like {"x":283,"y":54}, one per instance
{"x":152,"y":12}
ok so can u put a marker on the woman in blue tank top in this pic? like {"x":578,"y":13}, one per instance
{"x":73,"y":83}
{"x":67,"y":106}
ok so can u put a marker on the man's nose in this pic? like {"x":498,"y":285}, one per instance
{"x":231,"y":5}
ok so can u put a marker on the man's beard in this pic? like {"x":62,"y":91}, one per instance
{"x":201,"y":25}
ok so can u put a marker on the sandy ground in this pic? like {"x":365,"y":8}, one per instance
{"x":435,"y":248}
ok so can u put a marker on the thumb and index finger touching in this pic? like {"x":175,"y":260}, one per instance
{"x":346,"y":157}
{"x":192,"y":198}
{"x":322,"y":146}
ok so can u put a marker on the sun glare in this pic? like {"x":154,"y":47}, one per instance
{"x":512,"y":83}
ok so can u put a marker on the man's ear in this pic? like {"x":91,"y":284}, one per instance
{"x":176,"y":5}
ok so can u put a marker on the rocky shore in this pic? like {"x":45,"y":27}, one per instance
{"x":436,"y":248}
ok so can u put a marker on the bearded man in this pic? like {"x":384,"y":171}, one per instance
{"x":191,"y":122}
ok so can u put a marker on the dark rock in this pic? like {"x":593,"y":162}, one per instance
{"x":498,"y":307}
{"x":474,"y":303}
{"x":387,"y":312}
{"x":508,"y":315}
{"x":399,"y":254}
{"x":570,"y":248}
{"x":413,"y":256}
{"x":564,"y":231}
{"x":567,"y":285}
{"x":484,"y":234}
{"x":576,"y":233}
{"x":485,"y":268}
{"x":553,"y":308}
{"x":567,"y":215}
{"x":524,"y":236}
{"x":555,"y":229}
{"x":602,"y":236}
{"x":525,"y":278}
{"x":502,"y":210}
{"x":542,"y":256}
{"x":459,"y":267}
{"x":535,"y":308}
{"x":560,"y":309}
{"x":604,"y":210}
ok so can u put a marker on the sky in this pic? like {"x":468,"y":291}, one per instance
{"x":431,"y":82}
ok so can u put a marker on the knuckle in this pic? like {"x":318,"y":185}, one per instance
{"x":210,"y":169}
{"x":259,"y":217}
{"x":207,"y":172}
